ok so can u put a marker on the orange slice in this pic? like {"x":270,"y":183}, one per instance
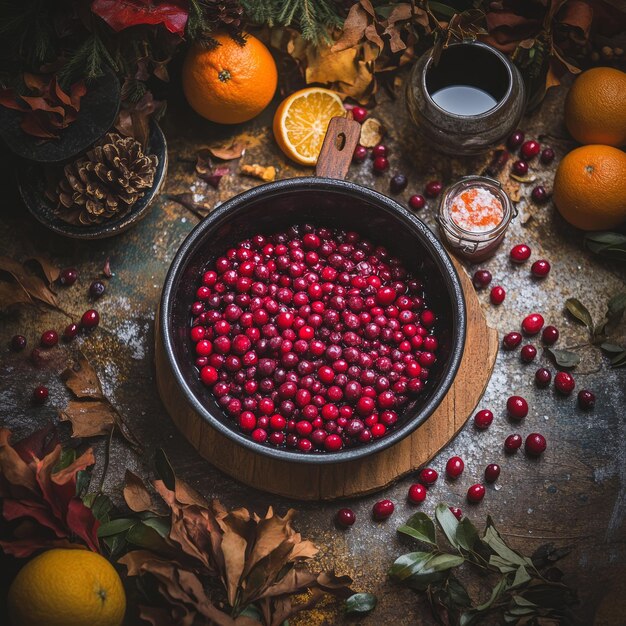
{"x":301,"y":121}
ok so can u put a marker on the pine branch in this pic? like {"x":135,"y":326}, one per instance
{"x":88,"y":61}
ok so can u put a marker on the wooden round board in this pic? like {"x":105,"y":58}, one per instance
{"x":352,"y":478}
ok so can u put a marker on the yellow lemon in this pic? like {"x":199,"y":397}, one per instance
{"x":67,"y":588}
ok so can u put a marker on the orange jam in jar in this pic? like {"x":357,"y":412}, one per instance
{"x":473,"y":216}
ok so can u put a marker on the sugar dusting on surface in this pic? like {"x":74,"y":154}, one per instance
{"x":476,"y":210}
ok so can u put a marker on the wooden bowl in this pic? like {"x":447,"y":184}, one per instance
{"x":323,"y":201}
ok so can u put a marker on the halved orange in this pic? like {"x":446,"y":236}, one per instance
{"x":301,"y":120}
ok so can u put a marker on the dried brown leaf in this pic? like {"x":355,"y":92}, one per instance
{"x":82,"y":380}
{"x":12,"y":294}
{"x":353,"y":28}
{"x":106,"y":270}
{"x":235,"y":150}
{"x":31,"y":284}
{"x":265,"y":173}
{"x":136,"y":495}
{"x":187,"y":200}
{"x":89,"y":418}
{"x":49,"y":269}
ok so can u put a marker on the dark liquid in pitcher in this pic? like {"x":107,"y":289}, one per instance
{"x":468,"y":80}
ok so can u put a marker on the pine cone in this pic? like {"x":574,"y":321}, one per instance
{"x":106,"y":181}
{"x":223,"y":15}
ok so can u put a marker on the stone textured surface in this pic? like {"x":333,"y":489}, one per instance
{"x":575,"y":495}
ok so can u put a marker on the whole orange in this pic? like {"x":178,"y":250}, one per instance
{"x":229,"y":83}
{"x":590,"y":187}
{"x":595,"y":108}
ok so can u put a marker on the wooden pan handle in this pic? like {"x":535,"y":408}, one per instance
{"x":340,"y":141}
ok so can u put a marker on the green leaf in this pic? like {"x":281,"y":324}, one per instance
{"x":146,"y":537}
{"x":447,"y":522}
{"x":68,"y":456}
{"x":115,"y":545}
{"x":443,"y":562}
{"x":433,"y":571}
{"x":503,"y":565}
{"x":521,"y":601}
{"x":521,"y":577}
{"x":116,"y":526}
{"x":611,"y":347}
{"x":83,"y":478}
{"x":421,"y":527}
{"x":608,"y":244}
{"x":493,"y":539}
{"x":563,"y":358}
{"x":619,"y":360}
{"x":495,"y":594}
{"x":164,"y":469}
{"x":616,"y":307}
{"x":457,"y":592}
{"x":466,"y":534}
{"x":408,"y":564}
{"x":580,"y":312}
{"x":100,"y":505}
{"x":360,"y":603}
{"x":161,"y":524}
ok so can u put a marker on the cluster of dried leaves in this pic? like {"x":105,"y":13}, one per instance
{"x":27,"y":282}
{"x":134,"y":117}
{"x":40,"y":507}
{"x":47,"y":109}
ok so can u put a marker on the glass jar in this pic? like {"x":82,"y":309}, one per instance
{"x":469,"y":238}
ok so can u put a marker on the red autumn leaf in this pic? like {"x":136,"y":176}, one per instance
{"x":121,"y":14}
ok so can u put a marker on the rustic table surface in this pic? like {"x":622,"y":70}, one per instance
{"x":574,"y":495}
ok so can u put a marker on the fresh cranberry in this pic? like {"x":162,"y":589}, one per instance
{"x":383,"y":509}
{"x":511,"y":340}
{"x":543,"y":377}
{"x":380,"y":165}
{"x":40,"y":394}
{"x":520,"y":253}
{"x":517,"y":407}
{"x":515,"y":140}
{"x":18,"y":343}
{"x":345,"y":518}
{"x":71,"y":330}
{"x":428,"y":477}
{"x":530,"y":149}
{"x":398,"y":183}
{"x":455,"y":467}
{"x":540,"y":268}
{"x":520,"y":168}
{"x":360,"y":154}
{"x":564,"y":383}
{"x":433,"y":188}
{"x":456,"y":511}
{"x":417,"y":493}
{"x":49,"y":338}
{"x":492,"y":472}
{"x":547,"y":156}
{"x":68,"y":276}
{"x":379,"y":151}
{"x":475,"y":493}
{"x":97,"y":289}
{"x":481,"y":278}
{"x":497,"y":295}
{"x":417,"y":202}
{"x":359,"y":114}
{"x":549,"y":335}
{"x":586,"y":399}
{"x":513,"y":443}
{"x":483,"y":419}
{"x":90,"y":319}
{"x":528,"y":353}
{"x":539,"y":194}
{"x":532,"y":323}
{"x":535,"y":444}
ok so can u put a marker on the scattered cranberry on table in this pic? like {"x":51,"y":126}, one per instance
{"x":97,"y":289}
{"x":497,"y":295}
{"x":359,"y":114}
{"x":71,"y":330}
{"x":520,"y":253}
{"x":540,"y":268}
{"x":535,"y":444}
{"x":360,"y":154}
{"x":381,"y":164}
{"x":517,"y":407}
{"x":543,"y":377}
{"x":547,"y":156}
{"x":417,"y":493}
{"x":510,"y":341}
{"x":90,"y":319}
{"x":476,"y":493}
{"x":456,"y":511}
{"x":586,"y":399}
{"x":483,"y":419}
{"x":520,"y":168}
{"x":515,"y":140}
{"x":532,"y":323}
{"x":49,"y":339}
{"x":40,"y":394}
{"x":68,"y":276}
{"x":530,"y":149}
{"x":528,"y":353}
{"x":433,"y":188}
{"x":481,"y":278}
{"x":345,"y":518}
{"x":513,"y":443}
{"x":417,"y":202}
{"x":379,"y":151}
{"x":550,"y":335}
{"x":492,"y":472}
{"x":18,"y":343}
{"x":455,"y":467}
{"x":398,"y":183}
{"x":428,"y":476}
{"x":382,"y":510}
{"x":539,"y":194}
{"x":564,"y":383}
